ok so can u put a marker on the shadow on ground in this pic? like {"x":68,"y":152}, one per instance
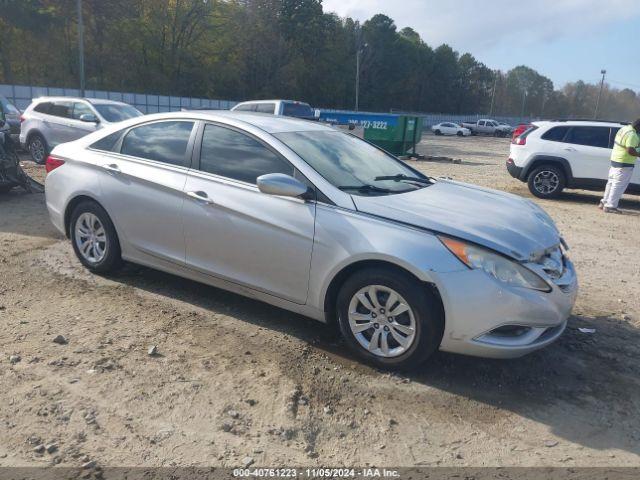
{"x":580,"y":387}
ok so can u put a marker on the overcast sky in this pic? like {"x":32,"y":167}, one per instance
{"x":566,"y":40}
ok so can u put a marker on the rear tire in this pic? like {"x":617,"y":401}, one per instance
{"x":546,"y":181}
{"x":460,"y":134}
{"x":38,"y":148}
{"x":94,"y":238}
{"x":398,"y":332}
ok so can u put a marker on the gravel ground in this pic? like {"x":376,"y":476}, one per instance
{"x":237,"y":382}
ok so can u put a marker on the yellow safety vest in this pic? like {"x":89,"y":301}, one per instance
{"x":625,"y":138}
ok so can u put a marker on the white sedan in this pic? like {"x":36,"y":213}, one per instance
{"x":448,"y":128}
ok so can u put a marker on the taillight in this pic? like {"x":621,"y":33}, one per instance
{"x":522,"y":138}
{"x":22,"y":119}
{"x":52,"y":163}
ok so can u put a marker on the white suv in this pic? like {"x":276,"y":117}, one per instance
{"x":287,"y":108}
{"x":553,"y":155}
{"x":49,"y":121}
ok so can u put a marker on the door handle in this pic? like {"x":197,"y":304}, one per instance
{"x":200,"y":196}
{"x":113,"y":168}
{"x":570,"y":149}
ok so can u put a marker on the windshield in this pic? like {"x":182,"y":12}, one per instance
{"x":301,"y":110}
{"x":352,"y":164}
{"x":116,"y":113}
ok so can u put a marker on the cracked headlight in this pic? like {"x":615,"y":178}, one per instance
{"x":494,"y":264}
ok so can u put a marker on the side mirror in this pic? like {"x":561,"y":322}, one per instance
{"x":281,"y":184}
{"x":89,"y":118}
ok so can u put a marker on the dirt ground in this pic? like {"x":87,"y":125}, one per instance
{"x":238,"y":382}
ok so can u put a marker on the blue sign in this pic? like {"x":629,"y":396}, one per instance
{"x":373,"y":121}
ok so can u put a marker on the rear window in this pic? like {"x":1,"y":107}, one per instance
{"x":266,"y":108}
{"x":302,"y":110}
{"x":556,"y":134}
{"x":7,"y":107}
{"x":589,"y":136}
{"x":107,"y":143}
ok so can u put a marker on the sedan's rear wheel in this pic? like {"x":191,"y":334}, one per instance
{"x":94,"y":238}
{"x":389,"y":318}
{"x":459,"y":133}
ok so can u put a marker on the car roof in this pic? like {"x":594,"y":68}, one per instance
{"x":264,"y":121}
{"x":95,"y":101}
{"x":274,"y":100}
{"x":582,"y":123}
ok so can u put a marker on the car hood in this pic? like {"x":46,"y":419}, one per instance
{"x":504,"y":222}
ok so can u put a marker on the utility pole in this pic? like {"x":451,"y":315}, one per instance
{"x":359,"y":50}
{"x":80,"y":46}
{"x":524,"y":98}
{"x":493,"y":93}
{"x":595,"y":115}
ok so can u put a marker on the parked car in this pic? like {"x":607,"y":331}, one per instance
{"x":553,"y":155}
{"x":448,"y":128}
{"x":11,"y":117}
{"x":487,"y":127}
{"x":287,"y":108}
{"x":507,"y":128}
{"x":319,"y":222}
{"x":49,"y":121}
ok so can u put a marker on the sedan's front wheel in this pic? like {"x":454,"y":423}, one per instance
{"x":94,"y":238}
{"x":389,"y":318}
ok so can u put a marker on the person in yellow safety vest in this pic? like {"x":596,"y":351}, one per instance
{"x":626,"y":149}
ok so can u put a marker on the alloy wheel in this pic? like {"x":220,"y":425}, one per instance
{"x":36,"y":149}
{"x":91,"y":237}
{"x":382,"y":321}
{"x":546,"y":182}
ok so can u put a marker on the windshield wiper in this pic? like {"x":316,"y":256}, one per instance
{"x":401,"y":177}
{"x":366,"y":189}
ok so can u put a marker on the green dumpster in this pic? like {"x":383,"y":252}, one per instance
{"x":399,"y":139}
{"x":397,"y":134}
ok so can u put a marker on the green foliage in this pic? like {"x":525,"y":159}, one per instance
{"x":248,"y":49}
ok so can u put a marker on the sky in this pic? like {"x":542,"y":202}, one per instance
{"x":565,"y":40}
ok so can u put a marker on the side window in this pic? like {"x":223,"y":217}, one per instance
{"x":249,"y":107}
{"x":164,"y":142}
{"x":107,"y":143}
{"x":235,"y":155}
{"x":266,"y":108}
{"x":80,"y":108}
{"x":481,"y":123}
{"x":61,"y":109}
{"x":42,"y":107}
{"x":555,"y":134}
{"x":589,"y":136}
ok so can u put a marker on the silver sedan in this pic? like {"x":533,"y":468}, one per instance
{"x":319,"y":222}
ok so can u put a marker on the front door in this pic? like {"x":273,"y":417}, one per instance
{"x":235,"y":232}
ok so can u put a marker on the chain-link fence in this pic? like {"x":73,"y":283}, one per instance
{"x":21,"y":96}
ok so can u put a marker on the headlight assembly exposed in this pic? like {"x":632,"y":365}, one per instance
{"x":494,"y":264}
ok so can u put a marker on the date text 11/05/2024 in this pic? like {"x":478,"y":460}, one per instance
{"x":315,"y":473}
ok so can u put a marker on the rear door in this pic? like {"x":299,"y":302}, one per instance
{"x":56,"y":123}
{"x":235,"y":232}
{"x":587,"y":149}
{"x":142,"y":186}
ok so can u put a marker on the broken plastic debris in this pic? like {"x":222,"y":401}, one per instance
{"x":587,"y":330}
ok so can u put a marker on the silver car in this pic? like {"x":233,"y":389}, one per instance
{"x":49,"y":121}
{"x":319,"y":222}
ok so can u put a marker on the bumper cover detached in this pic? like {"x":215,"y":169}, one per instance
{"x":488,"y":319}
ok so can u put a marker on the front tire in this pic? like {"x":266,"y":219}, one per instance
{"x":38,"y":148}
{"x":438,"y":132}
{"x":460,"y":134}
{"x":389,"y":318}
{"x":94,"y":238}
{"x":546,"y":181}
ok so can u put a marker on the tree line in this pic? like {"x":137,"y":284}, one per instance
{"x":250,"y":49}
